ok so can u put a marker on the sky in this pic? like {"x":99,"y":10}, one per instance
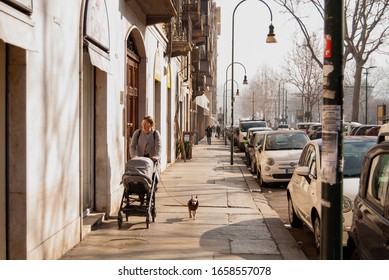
{"x":252,"y":20}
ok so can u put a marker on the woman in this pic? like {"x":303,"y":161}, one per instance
{"x":146,"y":141}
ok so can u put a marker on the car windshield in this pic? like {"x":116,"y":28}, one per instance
{"x":286,"y":141}
{"x":354,"y":153}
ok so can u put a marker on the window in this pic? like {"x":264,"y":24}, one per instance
{"x":312,"y":162}
{"x":378,"y":181}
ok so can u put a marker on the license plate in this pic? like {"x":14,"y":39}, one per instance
{"x":287,"y":171}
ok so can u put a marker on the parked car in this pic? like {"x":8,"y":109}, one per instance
{"x":348,"y":126}
{"x":373,"y":131}
{"x":317,"y":134}
{"x":312,"y":129}
{"x":363,"y":129}
{"x":250,"y":132}
{"x":354,"y":129}
{"x":304,"y":126}
{"x":304,"y":188}
{"x":277,"y":157}
{"x":255,"y":141}
{"x":369,"y":234}
{"x":283,"y":126}
{"x":244,"y":125}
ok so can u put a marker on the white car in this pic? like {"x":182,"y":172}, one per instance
{"x":278,"y":156}
{"x":255,"y":141}
{"x":304,"y":189}
{"x":304,"y":126}
{"x":348,"y":126}
{"x":249,"y":135}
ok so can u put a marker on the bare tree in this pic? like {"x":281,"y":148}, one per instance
{"x":260,"y":99}
{"x":305,"y":75}
{"x":296,"y":8}
{"x":366,"y":30}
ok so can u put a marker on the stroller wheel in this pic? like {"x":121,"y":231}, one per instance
{"x":153,"y":214}
{"x":120,"y":222}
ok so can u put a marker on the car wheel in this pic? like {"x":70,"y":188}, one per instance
{"x":316,"y":232}
{"x":261,"y":182}
{"x":248,"y":160}
{"x":253,"y":167}
{"x":294,"y":221}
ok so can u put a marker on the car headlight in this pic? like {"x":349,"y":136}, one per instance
{"x":269,"y":161}
{"x":347,"y":204}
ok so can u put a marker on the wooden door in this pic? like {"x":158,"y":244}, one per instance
{"x":132,"y":99}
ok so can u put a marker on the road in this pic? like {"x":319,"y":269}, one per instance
{"x":276,"y":196}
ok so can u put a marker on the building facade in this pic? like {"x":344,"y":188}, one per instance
{"x":76,"y":78}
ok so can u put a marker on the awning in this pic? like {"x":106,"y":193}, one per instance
{"x":99,"y":58}
{"x":16,"y":28}
{"x":202,"y":101}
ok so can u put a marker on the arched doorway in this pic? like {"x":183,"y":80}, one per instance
{"x":132,"y":88}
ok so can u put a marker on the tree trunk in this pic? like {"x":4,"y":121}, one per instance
{"x":356,"y":94}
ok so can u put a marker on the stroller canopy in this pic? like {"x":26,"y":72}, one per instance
{"x":139,"y":170}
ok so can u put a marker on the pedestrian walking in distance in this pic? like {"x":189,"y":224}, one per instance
{"x":208,"y":131}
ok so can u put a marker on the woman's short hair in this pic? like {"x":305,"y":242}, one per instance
{"x":149,"y":119}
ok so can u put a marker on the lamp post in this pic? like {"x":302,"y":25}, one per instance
{"x":367,"y":73}
{"x":245,"y":82}
{"x":270,"y":39}
{"x":225,"y":97}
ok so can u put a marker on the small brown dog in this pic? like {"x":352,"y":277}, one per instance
{"x":193,"y":204}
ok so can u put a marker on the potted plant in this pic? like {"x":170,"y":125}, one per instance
{"x":188,"y":149}
{"x":179,"y":149}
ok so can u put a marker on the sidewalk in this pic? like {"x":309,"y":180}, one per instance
{"x":234,"y":220}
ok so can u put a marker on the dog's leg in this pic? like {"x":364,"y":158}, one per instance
{"x":190,"y":214}
{"x":194,"y":215}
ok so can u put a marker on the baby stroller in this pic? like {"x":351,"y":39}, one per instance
{"x":139,"y":181}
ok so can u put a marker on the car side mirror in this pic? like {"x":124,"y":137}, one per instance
{"x":302,"y":171}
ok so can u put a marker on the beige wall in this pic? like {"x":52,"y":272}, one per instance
{"x":46,"y":132}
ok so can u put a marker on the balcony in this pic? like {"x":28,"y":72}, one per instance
{"x":158,"y":11}
{"x":192,"y":7}
{"x":180,"y":42}
{"x":198,"y":84}
{"x":198,"y":31}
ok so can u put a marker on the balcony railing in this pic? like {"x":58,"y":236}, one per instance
{"x":158,"y":11}
{"x":198,"y":84}
{"x":181,"y":35}
{"x":192,"y":7}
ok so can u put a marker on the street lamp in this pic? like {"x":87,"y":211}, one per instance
{"x":270,"y":39}
{"x":245,"y":82}
{"x":366,"y":73}
{"x":225,"y":97}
